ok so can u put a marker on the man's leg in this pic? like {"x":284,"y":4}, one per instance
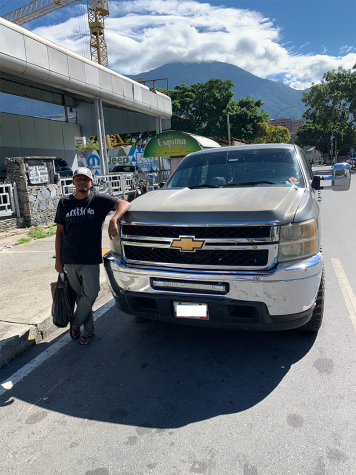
{"x":85,"y":281}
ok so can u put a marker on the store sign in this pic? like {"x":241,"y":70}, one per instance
{"x":38,"y":174}
{"x":171,"y":144}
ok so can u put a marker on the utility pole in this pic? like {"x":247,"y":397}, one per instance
{"x":228,"y":128}
{"x":331,"y":146}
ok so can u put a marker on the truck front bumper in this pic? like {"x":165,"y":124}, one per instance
{"x":279,"y":299}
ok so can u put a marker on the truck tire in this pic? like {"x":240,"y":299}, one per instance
{"x":316,"y":320}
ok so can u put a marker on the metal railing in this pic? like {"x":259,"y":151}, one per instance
{"x":118,"y":183}
{"x":9,"y":203}
{"x":66,"y":186}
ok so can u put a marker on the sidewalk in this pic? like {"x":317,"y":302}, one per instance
{"x":25,"y":307}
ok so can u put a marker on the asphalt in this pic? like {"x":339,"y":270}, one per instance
{"x":27,"y":271}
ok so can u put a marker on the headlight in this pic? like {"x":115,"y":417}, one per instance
{"x":298,"y":241}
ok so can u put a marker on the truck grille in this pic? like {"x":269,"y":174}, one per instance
{"x":230,"y":258}
{"x":200,"y":232}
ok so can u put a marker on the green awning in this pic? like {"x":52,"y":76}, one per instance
{"x":171,"y":144}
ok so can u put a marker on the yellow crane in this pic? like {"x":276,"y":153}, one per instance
{"x":98,"y":10}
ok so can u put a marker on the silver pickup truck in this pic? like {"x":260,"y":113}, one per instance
{"x":232,"y":241}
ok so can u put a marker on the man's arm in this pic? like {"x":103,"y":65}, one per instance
{"x":59,"y":239}
{"x":121,"y":207}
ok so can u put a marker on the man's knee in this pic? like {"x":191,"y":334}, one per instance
{"x":90,"y":285}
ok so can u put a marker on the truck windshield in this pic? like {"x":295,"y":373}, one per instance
{"x":243,"y":167}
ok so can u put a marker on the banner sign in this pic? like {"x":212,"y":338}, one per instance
{"x":171,"y":144}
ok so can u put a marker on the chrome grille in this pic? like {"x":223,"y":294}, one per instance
{"x":230,"y":258}
{"x":200,"y":232}
{"x":235,"y":246}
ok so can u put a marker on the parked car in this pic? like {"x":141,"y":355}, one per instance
{"x":231,"y":241}
{"x":62,"y":168}
{"x":125,"y":169}
{"x":351,"y":161}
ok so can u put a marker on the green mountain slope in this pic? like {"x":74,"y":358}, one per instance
{"x":275,"y":95}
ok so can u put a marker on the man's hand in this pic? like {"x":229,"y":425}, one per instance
{"x":112,"y":230}
{"x":59,"y":267}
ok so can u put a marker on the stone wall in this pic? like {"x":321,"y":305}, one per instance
{"x":37,"y":203}
{"x":10,"y":224}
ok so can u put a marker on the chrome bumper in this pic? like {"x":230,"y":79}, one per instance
{"x":287,"y":289}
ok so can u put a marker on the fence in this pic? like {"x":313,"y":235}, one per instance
{"x":119,"y":183}
{"x":9,"y":203}
{"x":162,"y":175}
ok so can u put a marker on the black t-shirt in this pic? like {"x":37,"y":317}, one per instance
{"x":83,"y":220}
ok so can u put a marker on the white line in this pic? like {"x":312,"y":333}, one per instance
{"x":36,"y":362}
{"x":346,"y":290}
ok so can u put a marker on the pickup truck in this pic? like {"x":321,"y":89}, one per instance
{"x":233,"y":240}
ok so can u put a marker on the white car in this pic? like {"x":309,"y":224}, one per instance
{"x":351,"y":161}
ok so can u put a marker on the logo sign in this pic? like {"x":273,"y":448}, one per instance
{"x":171,"y":144}
{"x":187,"y":244}
{"x":93,"y":162}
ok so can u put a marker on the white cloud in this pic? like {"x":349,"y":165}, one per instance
{"x":347,"y":49}
{"x":142,"y":35}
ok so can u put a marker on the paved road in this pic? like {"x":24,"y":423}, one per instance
{"x":161,"y":399}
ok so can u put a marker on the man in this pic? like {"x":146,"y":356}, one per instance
{"x":80,"y":218}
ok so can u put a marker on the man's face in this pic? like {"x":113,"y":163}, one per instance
{"x":82,"y":183}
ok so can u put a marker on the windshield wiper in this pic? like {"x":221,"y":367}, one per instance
{"x":203,"y":186}
{"x":250,"y":183}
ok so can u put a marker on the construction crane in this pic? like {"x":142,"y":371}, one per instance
{"x":98,"y":10}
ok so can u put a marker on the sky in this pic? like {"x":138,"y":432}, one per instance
{"x":291,"y":41}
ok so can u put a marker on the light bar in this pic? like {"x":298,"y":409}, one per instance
{"x":189,"y":286}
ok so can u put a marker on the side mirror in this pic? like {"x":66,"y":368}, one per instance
{"x":341,"y":178}
{"x":161,"y":185}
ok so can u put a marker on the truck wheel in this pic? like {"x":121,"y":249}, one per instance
{"x":316,"y":320}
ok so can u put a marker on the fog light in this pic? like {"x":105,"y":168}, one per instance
{"x":189,"y":286}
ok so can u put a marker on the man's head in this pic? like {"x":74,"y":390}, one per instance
{"x":82,"y":179}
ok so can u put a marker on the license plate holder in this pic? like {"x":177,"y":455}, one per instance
{"x":191,"y":310}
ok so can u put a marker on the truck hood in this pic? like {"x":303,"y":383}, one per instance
{"x":260,"y":203}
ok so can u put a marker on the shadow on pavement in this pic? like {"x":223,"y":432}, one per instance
{"x":157,"y":375}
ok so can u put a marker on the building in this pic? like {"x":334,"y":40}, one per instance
{"x":290,"y":124}
{"x":92,"y":99}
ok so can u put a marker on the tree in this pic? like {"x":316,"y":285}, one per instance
{"x":272,"y":134}
{"x":201,"y":109}
{"x":331,"y":105}
{"x":198,"y":107}
{"x":245,"y":114}
{"x":309,"y":134}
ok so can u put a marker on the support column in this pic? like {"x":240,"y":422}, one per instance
{"x":102,"y":121}
{"x":99,"y":134}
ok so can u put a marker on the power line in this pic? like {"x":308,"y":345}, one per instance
{"x":5,"y":4}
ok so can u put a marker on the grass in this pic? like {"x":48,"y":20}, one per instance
{"x":39,"y":232}
{"x":23,"y":240}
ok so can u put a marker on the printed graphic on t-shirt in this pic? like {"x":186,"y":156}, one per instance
{"x":85,"y":214}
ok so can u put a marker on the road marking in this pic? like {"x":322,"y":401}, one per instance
{"x":24,"y":252}
{"x":346,"y":290}
{"x":10,"y":382}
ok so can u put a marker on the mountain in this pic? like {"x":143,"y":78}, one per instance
{"x":275,"y":95}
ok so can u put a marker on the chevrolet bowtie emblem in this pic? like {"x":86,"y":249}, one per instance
{"x":187,"y":244}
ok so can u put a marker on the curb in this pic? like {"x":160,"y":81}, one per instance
{"x":20,"y":337}
{"x":15,"y":338}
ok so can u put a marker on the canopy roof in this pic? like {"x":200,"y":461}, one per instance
{"x":177,"y":144}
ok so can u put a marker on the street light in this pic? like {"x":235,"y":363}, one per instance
{"x":290,"y":107}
